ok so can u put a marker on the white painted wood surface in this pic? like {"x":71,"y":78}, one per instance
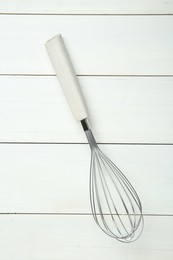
{"x":112,"y":38}
{"x":98,"y":45}
{"x":77,"y":237}
{"x":87,"y":6}
{"x":122,"y":110}
{"x":55,"y":178}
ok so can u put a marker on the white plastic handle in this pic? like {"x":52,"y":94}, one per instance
{"x":64,"y":70}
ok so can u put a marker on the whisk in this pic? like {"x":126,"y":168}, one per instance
{"x":115,"y":205}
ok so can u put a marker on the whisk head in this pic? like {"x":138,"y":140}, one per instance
{"x":115,"y":205}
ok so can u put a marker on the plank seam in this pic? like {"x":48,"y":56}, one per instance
{"x":87,"y":14}
{"x":76,"y":143}
{"x":75,"y":214}
{"x":83,"y":75}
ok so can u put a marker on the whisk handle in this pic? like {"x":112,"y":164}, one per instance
{"x":64,"y":70}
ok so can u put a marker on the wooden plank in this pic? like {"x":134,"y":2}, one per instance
{"x":99,"y":45}
{"x":77,"y":237}
{"x":54,"y":178}
{"x":87,"y":7}
{"x":122,"y":110}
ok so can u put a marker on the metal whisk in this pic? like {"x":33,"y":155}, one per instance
{"x":115,"y":205}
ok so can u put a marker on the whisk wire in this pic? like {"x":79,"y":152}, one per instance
{"x":121,"y":197}
{"x":108,"y":185}
{"x":106,"y":190}
{"x":127,"y":212}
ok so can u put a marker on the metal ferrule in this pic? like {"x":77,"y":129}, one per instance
{"x":89,"y":134}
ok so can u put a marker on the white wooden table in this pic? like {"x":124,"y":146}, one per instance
{"x":122,"y":52}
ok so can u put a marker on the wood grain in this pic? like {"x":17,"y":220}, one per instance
{"x":77,"y":237}
{"x":87,"y":6}
{"x":98,"y":45}
{"x":54,"y":178}
{"x":122,"y":110}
